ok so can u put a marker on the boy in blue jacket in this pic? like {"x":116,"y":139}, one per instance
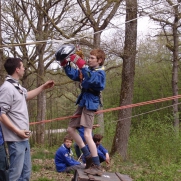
{"x":102,"y":152}
{"x":92,"y":79}
{"x":64,"y":161}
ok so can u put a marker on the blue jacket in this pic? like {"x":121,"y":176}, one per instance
{"x":1,"y":137}
{"x":94,"y":80}
{"x":81,"y":133}
{"x":101,"y":151}
{"x":64,"y":159}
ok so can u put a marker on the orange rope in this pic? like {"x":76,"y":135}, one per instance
{"x":113,"y":109}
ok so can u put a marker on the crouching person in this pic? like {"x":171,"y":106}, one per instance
{"x":102,"y":152}
{"x":64,"y":160}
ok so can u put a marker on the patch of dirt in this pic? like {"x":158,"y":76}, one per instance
{"x":45,"y":168}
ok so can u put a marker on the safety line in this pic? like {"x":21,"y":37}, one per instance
{"x":139,"y":104}
{"x":113,"y":109}
{"x":110,"y":122}
{"x":36,"y":42}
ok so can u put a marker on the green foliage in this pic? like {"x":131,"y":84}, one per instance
{"x":152,"y":81}
{"x":36,"y":168}
{"x":111,"y":94}
{"x":110,"y":120}
{"x":155,"y":145}
{"x":43,"y":153}
{"x":153,"y":151}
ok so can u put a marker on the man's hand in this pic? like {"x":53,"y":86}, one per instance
{"x":31,"y":94}
{"x":48,"y":84}
{"x":23,"y":133}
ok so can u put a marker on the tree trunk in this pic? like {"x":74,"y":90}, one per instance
{"x":41,"y":101}
{"x":120,"y":142}
{"x":175,"y":71}
{"x":41,"y":98}
{"x":41,"y":111}
{"x":1,"y":53}
{"x":97,"y":39}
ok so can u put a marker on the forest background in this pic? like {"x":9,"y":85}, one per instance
{"x":143,"y":141}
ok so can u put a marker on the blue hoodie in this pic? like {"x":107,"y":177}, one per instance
{"x":101,"y":151}
{"x":64,"y":159}
{"x":94,"y":80}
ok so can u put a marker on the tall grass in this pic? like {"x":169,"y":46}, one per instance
{"x":155,"y":151}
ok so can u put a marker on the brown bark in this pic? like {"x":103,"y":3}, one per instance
{"x":120,"y":142}
{"x":1,"y":53}
{"x":175,"y":68}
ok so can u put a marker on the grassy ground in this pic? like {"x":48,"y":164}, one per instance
{"x":43,"y":169}
{"x":154,"y":154}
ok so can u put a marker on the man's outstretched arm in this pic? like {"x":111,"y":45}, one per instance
{"x":33,"y":93}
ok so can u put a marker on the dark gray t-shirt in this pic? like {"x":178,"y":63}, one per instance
{"x":14,"y":105}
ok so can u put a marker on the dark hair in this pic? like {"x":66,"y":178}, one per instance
{"x":68,"y":137}
{"x":11,"y":64}
{"x":97,"y":137}
{"x":99,"y":54}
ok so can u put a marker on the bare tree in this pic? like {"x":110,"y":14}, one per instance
{"x":99,"y":14}
{"x":120,"y":142}
{"x":169,"y":20}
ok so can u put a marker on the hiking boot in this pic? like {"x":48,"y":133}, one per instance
{"x":94,"y":170}
{"x":88,"y":160}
